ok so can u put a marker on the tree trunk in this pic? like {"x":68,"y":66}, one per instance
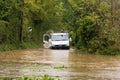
{"x":21,"y":21}
{"x":99,"y":2}
{"x":112,"y":12}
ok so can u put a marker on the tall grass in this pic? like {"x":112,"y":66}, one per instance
{"x":18,"y":46}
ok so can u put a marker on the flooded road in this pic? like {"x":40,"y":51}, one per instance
{"x":68,"y":64}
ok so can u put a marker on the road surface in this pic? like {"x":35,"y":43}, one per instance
{"x":68,"y":64}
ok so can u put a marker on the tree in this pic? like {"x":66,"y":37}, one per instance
{"x":90,"y":22}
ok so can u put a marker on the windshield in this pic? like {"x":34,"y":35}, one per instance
{"x":59,"y":37}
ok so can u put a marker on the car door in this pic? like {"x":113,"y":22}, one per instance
{"x":46,"y":38}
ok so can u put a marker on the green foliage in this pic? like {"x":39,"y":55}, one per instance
{"x":45,"y":77}
{"x":91,"y":28}
{"x":23,"y":45}
{"x":40,"y":15}
{"x":93,"y":24}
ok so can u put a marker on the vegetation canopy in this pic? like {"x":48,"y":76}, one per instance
{"x":93,"y":24}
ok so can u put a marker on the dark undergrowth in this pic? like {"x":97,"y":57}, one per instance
{"x":19,"y":46}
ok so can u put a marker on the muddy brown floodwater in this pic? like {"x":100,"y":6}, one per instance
{"x":68,"y":64}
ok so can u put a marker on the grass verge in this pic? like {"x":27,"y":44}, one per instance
{"x":19,"y":46}
{"x":45,"y":77}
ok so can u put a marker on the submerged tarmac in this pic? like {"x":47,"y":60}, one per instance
{"x":67,"y":64}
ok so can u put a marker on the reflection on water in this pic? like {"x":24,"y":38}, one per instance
{"x":39,"y":62}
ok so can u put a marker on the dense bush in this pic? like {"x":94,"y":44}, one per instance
{"x":94,"y":26}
